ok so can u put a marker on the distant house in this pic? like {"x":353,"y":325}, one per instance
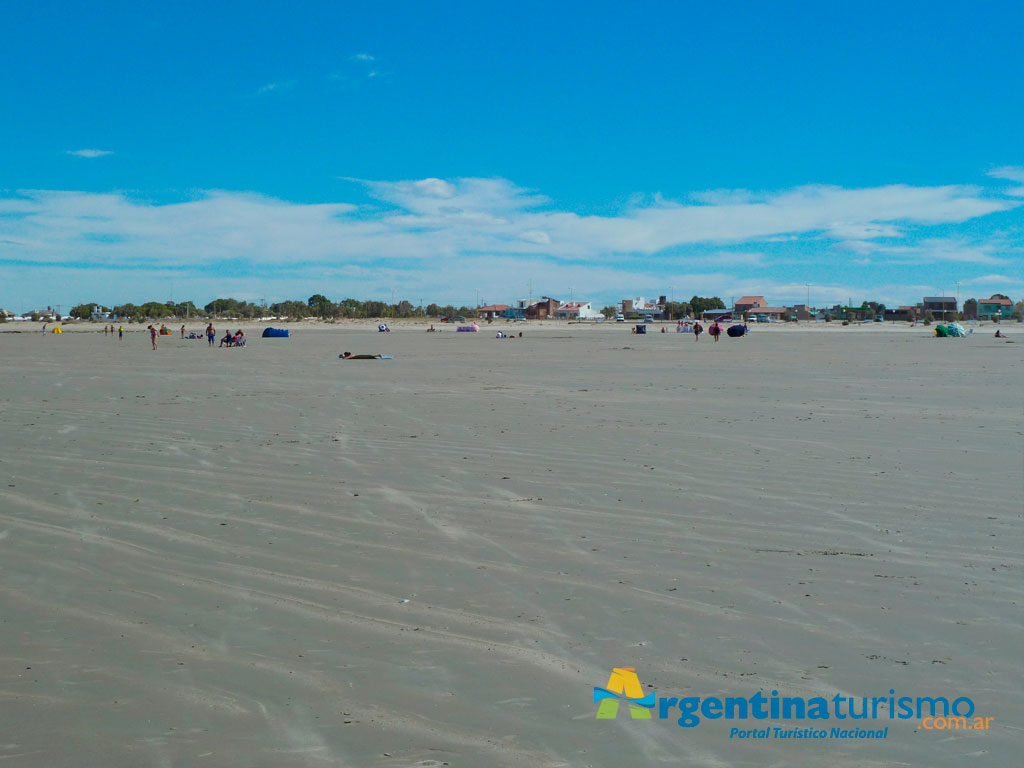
{"x":644,"y":308}
{"x":941,"y":307}
{"x":900,"y":313}
{"x":577,"y":310}
{"x":773,"y":313}
{"x":991,"y":308}
{"x":492,"y":311}
{"x":533,"y":309}
{"x":748,"y":303}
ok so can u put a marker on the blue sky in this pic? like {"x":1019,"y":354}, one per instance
{"x":448,"y":150}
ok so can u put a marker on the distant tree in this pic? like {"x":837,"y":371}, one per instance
{"x":154,"y":310}
{"x":433,"y":310}
{"x":320,"y":305}
{"x":35,"y":317}
{"x":677,"y":309}
{"x":374,"y":308}
{"x":1000,"y":296}
{"x":701,"y":304}
{"x":221,"y":307}
{"x":82,"y":311}
{"x":929,"y":317}
{"x":1018,"y":311}
{"x":609,"y":312}
{"x":184,"y":309}
{"x":290,"y":309}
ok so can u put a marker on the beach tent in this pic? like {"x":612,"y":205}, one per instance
{"x":735,"y":331}
{"x":640,"y":329}
{"x":57,"y":330}
{"x":955,"y":329}
{"x":941,"y":331}
{"x":473,"y":328}
{"x":275,"y":333}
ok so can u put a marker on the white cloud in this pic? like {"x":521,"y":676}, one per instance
{"x":89,"y":153}
{"x":275,"y":86}
{"x":1010,"y":173}
{"x":422,"y":232}
{"x":362,"y":57}
{"x":931,"y":250}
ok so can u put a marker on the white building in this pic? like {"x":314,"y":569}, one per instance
{"x":577,"y":310}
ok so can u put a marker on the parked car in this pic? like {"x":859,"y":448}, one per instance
{"x":458,"y":319}
{"x":620,"y":318}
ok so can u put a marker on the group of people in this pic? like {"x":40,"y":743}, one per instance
{"x":237,"y":340}
{"x":109,"y":330}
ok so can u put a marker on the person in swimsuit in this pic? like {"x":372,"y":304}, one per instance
{"x":350,"y":356}
{"x":152,"y":335}
{"x":698,"y":329}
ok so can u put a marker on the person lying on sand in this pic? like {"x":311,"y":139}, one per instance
{"x":350,"y":356}
{"x":1000,"y":335}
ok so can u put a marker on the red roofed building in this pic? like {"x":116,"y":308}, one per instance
{"x":492,"y":311}
{"x":747,"y":303}
{"x":577,"y":310}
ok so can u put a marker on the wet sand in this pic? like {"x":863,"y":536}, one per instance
{"x":268,"y":557}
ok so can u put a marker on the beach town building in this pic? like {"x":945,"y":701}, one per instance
{"x":491,"y":311}
{"x":644,"y":308}
{"x":994,"y":308}
{"x":772,"y":313}
{"x":533,"y":309}
{"x":577,"y":310}
{"x":747,"y":303}
{"x":941,"y":307}
{"x":906,"y":313}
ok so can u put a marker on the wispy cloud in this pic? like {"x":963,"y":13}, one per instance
{"x":420,"y":232}
{"x":276,"y":86}
{"x":362,"y":57}
{"x":89,"y":153}
{"x":1010,"y":173}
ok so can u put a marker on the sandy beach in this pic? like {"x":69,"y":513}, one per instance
{"x":269,"y":557}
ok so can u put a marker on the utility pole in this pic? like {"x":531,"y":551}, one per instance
{"x":957,"y":308}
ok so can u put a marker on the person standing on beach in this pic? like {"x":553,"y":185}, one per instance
{"x":211,"y":333}
{"x":152,"y":335}
{"x":120,"y":331}
{"x":715,"y":330}
{"x":698,"y":329}
{"x":183,"y":331}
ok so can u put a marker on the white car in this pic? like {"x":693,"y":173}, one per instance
{"x":620,"y":318}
